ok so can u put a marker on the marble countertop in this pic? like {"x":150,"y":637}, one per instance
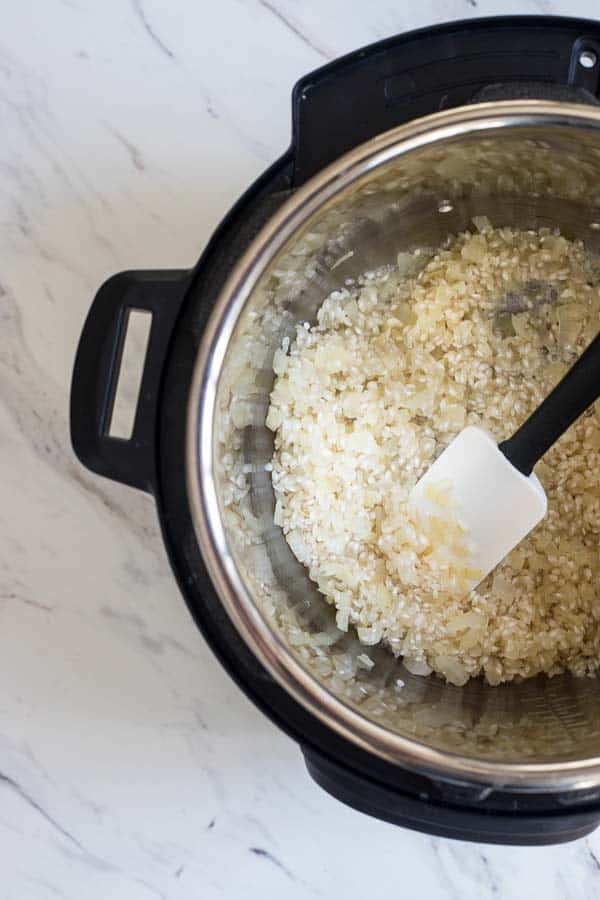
{"x":130,"y":765}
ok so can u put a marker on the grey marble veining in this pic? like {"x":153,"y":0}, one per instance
{"x":130,"y":765}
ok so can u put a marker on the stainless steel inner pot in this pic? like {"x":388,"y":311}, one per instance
{"x":524,"y":164}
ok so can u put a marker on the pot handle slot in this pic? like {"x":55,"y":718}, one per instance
{"x":130,"y":460}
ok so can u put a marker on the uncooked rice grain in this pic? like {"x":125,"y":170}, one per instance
{"x":364,"y":401}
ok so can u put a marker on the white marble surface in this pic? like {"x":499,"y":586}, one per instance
{"x":130,"y":766}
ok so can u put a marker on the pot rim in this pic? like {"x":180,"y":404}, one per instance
{"x":255,"y":630}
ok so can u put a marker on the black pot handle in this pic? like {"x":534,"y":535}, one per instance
{"x":420,"y":72}
{"x":97,"y":364}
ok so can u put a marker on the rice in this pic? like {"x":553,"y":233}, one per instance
{"x":364,"y":401}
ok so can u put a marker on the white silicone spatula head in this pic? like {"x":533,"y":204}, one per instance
{"x":490,"y":491}
{"x":474,"y":484}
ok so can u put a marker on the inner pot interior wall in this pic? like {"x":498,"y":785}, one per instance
{"x":525,"y":177}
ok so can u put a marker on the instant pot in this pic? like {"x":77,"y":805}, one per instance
{"x":393,"y":147}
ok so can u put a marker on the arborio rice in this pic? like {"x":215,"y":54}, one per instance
{"x":397,"y":364}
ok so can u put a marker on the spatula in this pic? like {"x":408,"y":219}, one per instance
{"x":489,"y":488}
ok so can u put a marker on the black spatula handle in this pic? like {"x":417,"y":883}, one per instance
{"x":569,"y":399}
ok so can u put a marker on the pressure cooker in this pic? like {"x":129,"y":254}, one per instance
{"x":394,"y":146}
